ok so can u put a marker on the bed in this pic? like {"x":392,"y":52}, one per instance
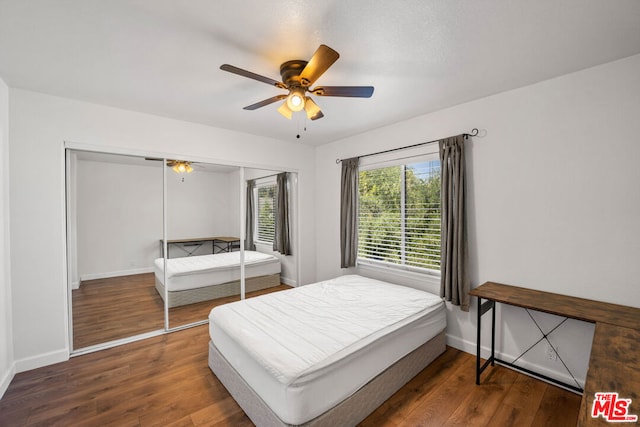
{"x":324,"y":354}
{"x":206,"y":277}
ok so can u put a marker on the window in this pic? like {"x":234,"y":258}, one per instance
{"x":399,"y":219}
{"x":265,"y":217}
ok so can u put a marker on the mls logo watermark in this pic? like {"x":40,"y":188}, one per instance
{"x":612,"y":408}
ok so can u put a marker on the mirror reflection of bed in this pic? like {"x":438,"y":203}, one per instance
{"x":115,"y":229}
{"x":193,"y":284}
{"x":203,"y":250}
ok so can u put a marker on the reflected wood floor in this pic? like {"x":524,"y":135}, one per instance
{"x":120,"y":307}
{"x":114,"y":308}
{"x":165,"y":381}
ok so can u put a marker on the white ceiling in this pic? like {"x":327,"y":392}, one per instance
{"x":163,"y":56}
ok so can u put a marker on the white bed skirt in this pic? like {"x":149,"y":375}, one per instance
{"x":207,"y":293}
{"x":351,"y":410}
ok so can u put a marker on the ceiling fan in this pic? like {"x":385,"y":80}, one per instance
{"x":297,"y":78}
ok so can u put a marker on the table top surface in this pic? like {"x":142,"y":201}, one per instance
{"x":561,"y":305}
{"x":204,"y":239}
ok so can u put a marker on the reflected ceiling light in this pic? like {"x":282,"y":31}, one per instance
{"x":181,"y":166}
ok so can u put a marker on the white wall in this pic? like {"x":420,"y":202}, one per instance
{"x":119,"y":214}
{"x":7,"y":368}
{"x":199,"y":204}
{"x":119,"y":218}
{"x":40,"y":124}
{"x":552,"y":192}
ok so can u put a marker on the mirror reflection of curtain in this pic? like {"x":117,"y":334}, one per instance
{"x":249,"y":229}
{"x":281,"y":240}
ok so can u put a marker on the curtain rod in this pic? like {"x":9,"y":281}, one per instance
{"x":474,"y":132}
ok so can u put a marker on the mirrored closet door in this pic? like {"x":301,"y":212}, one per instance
{"x":271,"y":222}
{"x":203,"y":240}
{"x":115,"y":223}
{"x":154,"y":244}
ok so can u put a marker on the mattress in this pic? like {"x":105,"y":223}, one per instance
{"x":206,"y":270}
{"x":306,"y":349}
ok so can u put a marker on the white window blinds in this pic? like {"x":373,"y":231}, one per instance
{"x":265,"y":217}
{"x":399,"y":215}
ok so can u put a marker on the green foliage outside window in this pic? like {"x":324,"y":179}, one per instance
{"x":399,"y":218}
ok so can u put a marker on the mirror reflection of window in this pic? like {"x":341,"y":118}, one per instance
{"x":265,"y":216}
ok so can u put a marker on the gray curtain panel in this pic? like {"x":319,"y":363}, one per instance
{"x":454,"y":282}
{"x":349,"y":213}
{"x":249,"y":231}
{"x":281,"y":241}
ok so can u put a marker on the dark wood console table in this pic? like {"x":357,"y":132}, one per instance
{"x":614,"y":364}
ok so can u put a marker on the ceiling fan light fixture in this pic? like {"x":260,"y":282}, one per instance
{"x":296,"y":99}
{"x":182,"y":167}
{"x":311,"y":108}
{"x":285,"y":110}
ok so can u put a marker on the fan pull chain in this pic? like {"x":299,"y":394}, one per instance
{"x":304,"y":129}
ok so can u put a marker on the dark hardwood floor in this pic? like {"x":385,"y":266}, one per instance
{"x":165,"y":381}
{"x":115,"y":308}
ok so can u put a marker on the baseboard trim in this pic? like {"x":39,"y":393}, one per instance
{"x":6,"y":379}
{"x":107,"y":275}
{"x":485,"y":352}
{"x":288,"y":281}
{"x":41,"y":360}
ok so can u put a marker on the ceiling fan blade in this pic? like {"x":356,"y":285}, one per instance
{"x":265,"y":102}
{"x":320,"y":62}
{"x":254,"y":76}
{"x":348,"y":91}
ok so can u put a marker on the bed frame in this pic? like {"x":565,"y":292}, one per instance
{"x":350,"y":411}
{"x":191,"y":296}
